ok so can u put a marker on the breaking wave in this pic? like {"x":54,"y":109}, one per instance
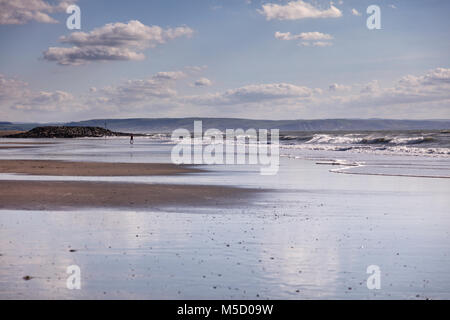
{"x":392,"y":142}
{"x":360,"y":139}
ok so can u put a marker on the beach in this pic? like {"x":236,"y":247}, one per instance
{"x":141,"y":228}
{"x":53,"y":195}
{"x":70,"y":168}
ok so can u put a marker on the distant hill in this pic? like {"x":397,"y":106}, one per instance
{"x":10,"y":126}
{"x":66,"y":132}
{"x":151,"y":125}
{"x":169,"y":124}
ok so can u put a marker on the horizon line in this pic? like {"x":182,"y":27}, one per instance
{"x":227,"y":118}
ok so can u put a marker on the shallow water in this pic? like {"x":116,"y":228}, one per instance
{"x":313,"y":235}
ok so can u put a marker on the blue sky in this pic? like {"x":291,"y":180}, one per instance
{"x":224,"y":60}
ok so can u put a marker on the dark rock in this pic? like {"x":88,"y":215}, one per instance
{"x":67,"y":132}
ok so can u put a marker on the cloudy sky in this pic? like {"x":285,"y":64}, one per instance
{"x":267,"y":59}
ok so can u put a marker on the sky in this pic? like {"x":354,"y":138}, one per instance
{"x":273,"y":59}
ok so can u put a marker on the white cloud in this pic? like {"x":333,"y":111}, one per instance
{"x":113,"y":41}
{"x":410,"y":91}
{"x":11,"y":88}
{"x":435,"y":77}
{"x":334,"y":87}
{"x":45,"y":97}
{"x":203,"y":82}
{"x":45,"y":101}
{"x":310,"y":39}
{"x":295,"y":10}
{"x":355,"y":12}
{"x":303,"y":36}
{"x":78,"y":56}
{"x":285,"y":36}
{"x":169,"y":75}
{"x":424,"y":96}
{"x":138,"y":92}
{"x":23,"y":11}
{"x":16,"y":95}
{"x":254,"y":94}
{"x":407,"y":95}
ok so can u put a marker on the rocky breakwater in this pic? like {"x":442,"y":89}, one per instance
{"x":67,"y":132}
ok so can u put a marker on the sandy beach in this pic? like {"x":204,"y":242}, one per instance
{"x":98,"y":169}
{"x":14,"y":147}
{"x":54,"y":195}
{"x":8,"y":132}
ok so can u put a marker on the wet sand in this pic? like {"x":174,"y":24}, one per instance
{"x":8,"y":132}
{"x":57,"y":195}
{"x":84,"y":169}
{"x":16,"y":147}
